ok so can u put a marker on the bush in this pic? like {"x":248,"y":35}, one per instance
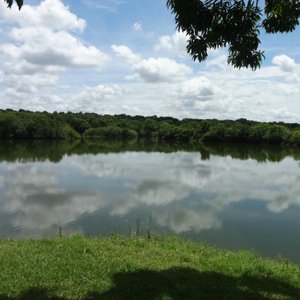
{"x":215,"y":134}
{"x":257,"y":133}
{"x":69,"y":133}
{"x":107,"y":132}
{"x":277,"y":134}
{"x":295,"y":139}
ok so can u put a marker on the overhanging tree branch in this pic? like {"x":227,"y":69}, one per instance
{"x":10,"y":3}
{"x":234,"y":24}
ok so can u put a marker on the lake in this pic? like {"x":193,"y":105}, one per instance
{"x":230,"y":196}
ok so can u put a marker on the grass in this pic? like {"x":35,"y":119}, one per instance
{"x":117,"y":267}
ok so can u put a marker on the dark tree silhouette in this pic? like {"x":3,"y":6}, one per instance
{"x":10,"y":3}
{"x":235,"y":24}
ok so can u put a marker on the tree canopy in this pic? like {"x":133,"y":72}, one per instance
{"x":234,"y":24}
{"x":24,"y":124}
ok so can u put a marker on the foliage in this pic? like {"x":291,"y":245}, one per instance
{"x":136,"y":268}
{"x":296,"y":137}
{"x":110,"y":132}
{"x":67,"y":132}
{"x":277,"y":134}
{"x":234,"y":24}
{"x":30,"y":125}
{"x":215,"y":133}
{"x":257,"y":132}
{"x":18,"y":2}
{"x":43,"y":125}
{"x":149,"y":127}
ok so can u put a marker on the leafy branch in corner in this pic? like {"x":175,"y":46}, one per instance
{"x":234,"y":24}
{"x":10,"y":3}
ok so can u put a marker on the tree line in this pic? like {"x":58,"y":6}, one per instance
{"x":24,"y":124}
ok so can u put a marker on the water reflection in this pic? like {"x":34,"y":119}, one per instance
{"x":230,"y":196}
{"x":54,"y":151}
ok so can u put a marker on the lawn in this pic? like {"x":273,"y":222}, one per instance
{"x":118,"y":267}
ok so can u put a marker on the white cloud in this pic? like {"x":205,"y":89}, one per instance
{"x":197,"y":88}
{"x":176,"y":43}
{"x":39,"y":70}
{"x":107,"y":5}
{"x":137,"y":26}
{"x":285,"y":63}
{"x":193,"y":197}
{"x":126,"y":53}
{"x":152,"y":70}
{"x":98,"y":98}
{"x":282,"y":113}
{"x":160,"y":69}
{"x":34,"y":190}
{"x":185,"y":220}
{"x":51,"y":14}
{"x":41,"y":47}
{"x":165,"y":42}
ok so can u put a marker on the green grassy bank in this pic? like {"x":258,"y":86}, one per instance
{"x":135,"y":268}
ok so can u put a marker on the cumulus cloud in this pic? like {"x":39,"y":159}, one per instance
{"x":51,"y":14}
{"x":126,"y":53}
{"x":218,"y":91}
{"x":152,"y":70}
{"x":197,"y":88}
{"x":284,"y":62}
{"x":98,"y":98}
{"x":38,"y":70}
{"x":160,"y":70}
{"x":282,"y":113}
{"x":42,"y":45}
{"x":176,"y":43}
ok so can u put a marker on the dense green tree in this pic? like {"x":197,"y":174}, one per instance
{"x":43,"y":125}
{"x":237,"y":132}
{"x":166,"y":131}
{"x":277,"y":134}
{"x":234,"y":24}
{"x":106,"y":132}
{"x":257,"y":133}
{"x":150,"y":127}
{"x":296,"y":137}
{"x":215,"y":134}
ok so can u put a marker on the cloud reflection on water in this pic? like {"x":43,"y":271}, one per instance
{"x":178,"y":189}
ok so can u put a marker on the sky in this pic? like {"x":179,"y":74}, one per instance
{"x":126,"y":57}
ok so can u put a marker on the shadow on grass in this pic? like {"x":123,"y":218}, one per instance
{"x":178,"y":284}
{"x":187,"y":283}
{"x":34,"y":294}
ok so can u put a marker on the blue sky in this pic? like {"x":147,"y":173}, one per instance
{"x":124,"y":56}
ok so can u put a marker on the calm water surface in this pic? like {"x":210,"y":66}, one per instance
{"x":231,"y":197}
